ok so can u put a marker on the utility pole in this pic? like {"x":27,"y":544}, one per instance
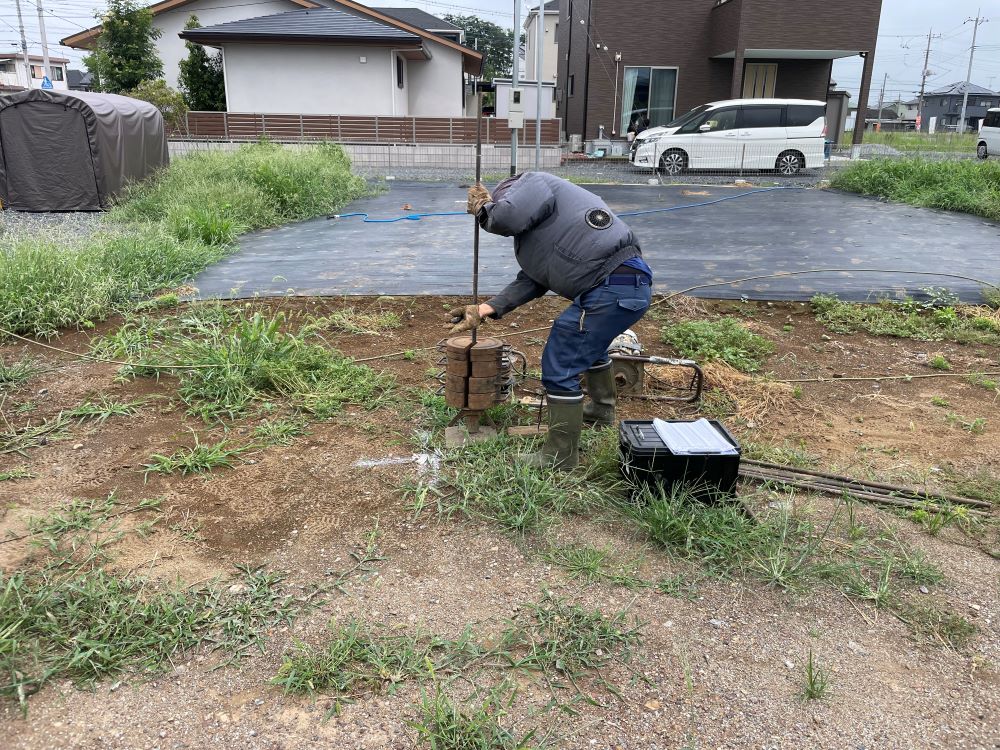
{"x":46,"y":69}
{"x":539,"y":57}
{"x":24,"y":45}
{"x":881,"y":100}
{"x":514,"y":81}
{"x":923,"y":82}
{"x":968,"y":78}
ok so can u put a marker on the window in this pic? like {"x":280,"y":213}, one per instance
{"x":800,"y":115}
{"x":717,"y":119}
{"x":7,"y":66}
{"x":992,"y":120}
{"x":569,"y":86}
{"x":761,"y":117}
{"x":399,"y":71}
{"x":758,"y":80}
{"x":38,"y":72}
{"x":648,"y":98}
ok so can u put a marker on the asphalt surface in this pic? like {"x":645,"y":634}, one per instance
{"x":781,"y":231}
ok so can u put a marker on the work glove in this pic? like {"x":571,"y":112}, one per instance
{"x":465,"y":318}
{"x":479,"y":196}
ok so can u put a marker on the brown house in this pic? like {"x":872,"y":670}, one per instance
{"x":624,"y":64}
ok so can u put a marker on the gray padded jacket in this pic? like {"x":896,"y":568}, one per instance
{"x":556,"y":246}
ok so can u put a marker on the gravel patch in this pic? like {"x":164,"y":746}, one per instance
{"x":82,"y":224}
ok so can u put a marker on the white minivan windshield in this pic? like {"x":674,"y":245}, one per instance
{"x":684,"y":119}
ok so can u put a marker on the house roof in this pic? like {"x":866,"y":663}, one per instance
{"x":419,"y":18}
{"x":85,"y":39}
{"x":960,"y":88}
{"x":76,"y":77}
{"x":472,"y":60}
{"x":305,"y":25}
{"x":32,"y":58}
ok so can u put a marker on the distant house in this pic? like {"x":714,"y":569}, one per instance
{"x":550,"y":48}
{"x":13,"y":73}
{"x":344,"y":61}
{"x":170,"y":17}
{"x":634,"y":61}
{"x":945,"y":104}
{"x":79,"y":80}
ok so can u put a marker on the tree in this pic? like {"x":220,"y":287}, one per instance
{"x":495,"y":42}
{"x":126,"y":51}
{"x":201,"y":80}
{"x":169,"y":101}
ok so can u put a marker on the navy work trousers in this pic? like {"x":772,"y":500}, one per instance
{"x":581,"y":335}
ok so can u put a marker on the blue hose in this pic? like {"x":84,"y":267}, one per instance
{"x":419,"y":216}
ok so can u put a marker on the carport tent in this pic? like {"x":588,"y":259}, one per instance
{"x":75,"y":150}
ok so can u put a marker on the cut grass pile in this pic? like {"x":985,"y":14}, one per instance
{"x":909,"y":319}
{"x":967,"y":185}
{"x":164,"y":231}
{"x":726,"y":340}
{"x":229,"y":360}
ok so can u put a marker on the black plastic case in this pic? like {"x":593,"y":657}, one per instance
{"x":646,"y":459}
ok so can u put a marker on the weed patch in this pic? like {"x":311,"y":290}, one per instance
{"x":279,"y":431}
{"x":963,"y":185}
{"x":905,"y":319}
{"x":165,"y":230}
{"x":445,"y":725}
{"x":937,"y":625}
{"x":816,"y":679}
{"x":726,"y":340}
{"x":33,"y":436}
{"x":104,"y":408}
{"x":18,"y":472}
{"x":358,"y":322}
{"x":786,"y":455}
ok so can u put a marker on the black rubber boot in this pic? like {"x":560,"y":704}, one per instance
{"x":600,"y":382}
{"x":562,"y":442}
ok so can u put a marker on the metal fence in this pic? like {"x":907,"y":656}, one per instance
{"x":442,"y":148}
{"x":238,"y":126}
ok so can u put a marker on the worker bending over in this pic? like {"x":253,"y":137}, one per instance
{"x":568,"y":241}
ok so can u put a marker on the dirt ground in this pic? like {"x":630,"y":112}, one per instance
{"x":721,"y":669}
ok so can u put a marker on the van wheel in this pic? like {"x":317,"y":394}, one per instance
{"x":981,"y":151}
{"x":789,"y":163}
{"x":673,"y":162}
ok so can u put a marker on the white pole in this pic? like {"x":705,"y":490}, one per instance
{"x":515,"y":80}
{"x":46,"y":68}
{"x":539,"y":57}
{"x":968,"y":78}
{"x":24,"y":46}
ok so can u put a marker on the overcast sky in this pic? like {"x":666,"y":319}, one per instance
{"x":902,"y":37}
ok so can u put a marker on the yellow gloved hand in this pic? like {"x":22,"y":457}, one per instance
{"x":465,"y":318}
{"x":479,"y":196}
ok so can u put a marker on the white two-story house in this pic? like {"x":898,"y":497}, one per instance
{"x":14,"y":74}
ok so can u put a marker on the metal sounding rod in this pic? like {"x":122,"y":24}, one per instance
{"x":475,"y":219}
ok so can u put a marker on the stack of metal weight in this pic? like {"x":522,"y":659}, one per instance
{"x":476,"y":375}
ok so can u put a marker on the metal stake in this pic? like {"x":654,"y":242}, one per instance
{"x":475,"y":219}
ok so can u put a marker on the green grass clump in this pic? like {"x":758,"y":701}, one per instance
{"x":786,"y":455}
{"x":16,"y":372}
{"x":725,"y":339}
{"x":445,"y":725}
{"x":18,"y":472}
{"x":902,"y":319}
{"x":816,"y":679}
{"x":103,"y":409}
{"x":480,"y":482}
{"x":982,"y":381}
{"x":165,"y":230}
{"x":254,"y":359}
{"x":967,"y":186}
{"x":939,"y":362}
{"x":197,"y":459}
{"x":279,"y":431}
{"x":595,"y":564}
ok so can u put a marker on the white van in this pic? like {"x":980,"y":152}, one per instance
{"x":786,"y":135}
{"x":989,"y":135}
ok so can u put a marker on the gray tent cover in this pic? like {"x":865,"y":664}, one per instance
{"x":75,"y":150}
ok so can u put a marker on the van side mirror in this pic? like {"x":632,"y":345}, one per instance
{"x":706,"y":128}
